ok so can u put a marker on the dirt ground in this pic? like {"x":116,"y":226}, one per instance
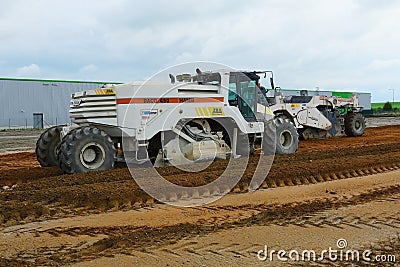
{"x":18,"y":140}
{"x":330,"y":189}
{"x":382,"y":121}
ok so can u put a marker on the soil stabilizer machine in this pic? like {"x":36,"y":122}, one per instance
{"x":187,"y":118}
{"x":319,"y":116}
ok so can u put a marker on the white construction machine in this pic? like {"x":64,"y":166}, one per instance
{"x":319,"y":116}
{"x":204,"y":116}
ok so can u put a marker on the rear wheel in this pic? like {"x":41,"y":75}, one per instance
{"x":354,"y":124}
{"x":287,"y":138}
{"x":47,"y":145}
{"x":87,"y":149}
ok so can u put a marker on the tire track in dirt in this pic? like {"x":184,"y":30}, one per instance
{"x":156,"y":242}
{"x":19,"y":209}
{"x":109,"y":190}
{"x":43,"y":193}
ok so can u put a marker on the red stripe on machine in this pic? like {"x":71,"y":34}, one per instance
{"x":168,"y":100}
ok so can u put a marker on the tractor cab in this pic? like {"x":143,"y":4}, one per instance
{"x":245,"y":92}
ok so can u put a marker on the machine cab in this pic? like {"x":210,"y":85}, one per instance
{"x":243,"y":93}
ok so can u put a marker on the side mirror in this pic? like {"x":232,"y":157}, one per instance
{"x":272,"y":83}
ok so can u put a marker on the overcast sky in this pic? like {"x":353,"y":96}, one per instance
{"x":340,"y":45}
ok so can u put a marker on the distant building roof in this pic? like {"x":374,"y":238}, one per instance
{"x":55,"y":81}
{"x":314,"y":90}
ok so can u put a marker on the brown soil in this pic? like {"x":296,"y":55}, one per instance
{"x":362,"y":210}
{"x":372,"y":136}
{"x":18,"y":161}
{"x":45,"y":194}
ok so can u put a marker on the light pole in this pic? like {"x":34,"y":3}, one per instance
{"x":393,"y":98}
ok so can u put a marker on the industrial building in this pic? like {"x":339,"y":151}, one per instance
{"x":22,"y":100}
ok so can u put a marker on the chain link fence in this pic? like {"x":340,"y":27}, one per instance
{"x":28,"y":122}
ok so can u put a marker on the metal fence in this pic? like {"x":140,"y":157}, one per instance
{"x":395,"y":111}
{"x":28,"y":122}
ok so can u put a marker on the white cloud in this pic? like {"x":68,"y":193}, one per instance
{"x":89,"y":68}
{"x":379,"y":64}
{"x":337,"y":44}
{"x":31,"y":71}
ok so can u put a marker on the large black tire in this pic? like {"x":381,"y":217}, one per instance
{"x":354,"y":124}
{"x":86,"y":149}
{"x":47,"y":145}
{"x":287,"y":138}
{"x":269,"y":137}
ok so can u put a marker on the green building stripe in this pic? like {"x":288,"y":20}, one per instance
{"x":342,"y":94}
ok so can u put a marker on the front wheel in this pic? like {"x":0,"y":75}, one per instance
{"x":287,"y":138}
{"x":87,"y":149}
{"x":354,"y":124}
